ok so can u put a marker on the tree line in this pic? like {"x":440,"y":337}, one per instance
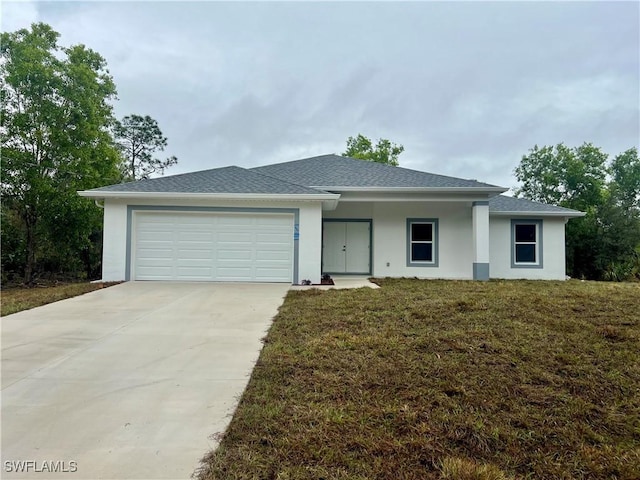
{"x":605,"y":243}
{"x":59,"y":135}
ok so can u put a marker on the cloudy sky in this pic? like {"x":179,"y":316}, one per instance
{"x":466,"y":87}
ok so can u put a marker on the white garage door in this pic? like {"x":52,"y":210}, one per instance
{"x":213,"y":247}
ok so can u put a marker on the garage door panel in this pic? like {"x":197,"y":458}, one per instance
{"x":159,"y":227}
{"x":213,"y":247}
{"x":155,"y":245}
{"x":155,"y":271}
{"x":272,"y":238}
{"x":156,"y":236}
{"x":203,"y":246}
{"x":195,"y":236}
{"x":182,"y":229}
{"x":153,"y":253}
{"x":280,"y":220}
{"x":194,"y":271}
{"x":273,"y":255}
{"x":228,"y":246}
{"x":246,"y":262}
{"x":194,"y":255}
{"x":193,"y":219}
{"x":159,"y":220}
{"x":235,"y":272}
{"x":235,"y":220}
{"x":235,"y":237}
{"x":235,"y":254}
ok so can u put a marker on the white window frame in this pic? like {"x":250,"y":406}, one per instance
{"x":537,"y":244}
{"x":434,"y":242}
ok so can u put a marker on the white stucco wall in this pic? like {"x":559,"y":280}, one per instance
{"x":310,"y":244}
{"x":455,"y":242}
{"x":456,"y":249}
{"x":115,"y":233}
{"x":481,"y":239}
{"x":389,"y":225}
{"x":114,"y":244}
{"x":553,"y":250}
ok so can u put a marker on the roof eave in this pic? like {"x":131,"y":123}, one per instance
{"x":475,"y":190}
{"x":521,"y":213}
{"x":97,"y":194}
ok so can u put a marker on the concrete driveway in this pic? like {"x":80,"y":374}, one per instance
{"x":129,"y":381}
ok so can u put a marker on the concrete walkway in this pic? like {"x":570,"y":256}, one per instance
{"x":341,"y":283}
{"x":129,"y":381}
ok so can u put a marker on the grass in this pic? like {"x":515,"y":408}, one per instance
{"x":443,"y":380}
{"x":18,"y":299}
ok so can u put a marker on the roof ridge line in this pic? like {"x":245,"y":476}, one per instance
{"x":411,"y":170}
{"x":285,"y":181}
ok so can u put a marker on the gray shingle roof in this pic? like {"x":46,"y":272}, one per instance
{"x":217,"y":180}
{"x":298,"y":178}
{"x":502,"y":203}
{"x":337,"y":171}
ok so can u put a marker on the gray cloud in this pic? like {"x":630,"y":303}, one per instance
{"x":467,"y":88}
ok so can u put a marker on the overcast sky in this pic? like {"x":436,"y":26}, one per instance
{"x":466,"y":87}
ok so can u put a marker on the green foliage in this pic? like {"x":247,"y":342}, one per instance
{"x":18,"y":299}
{"x":625,"y":172}
{"x":571,"y":177}
{"x":55,"y":126}
{"x":621,"y":271}
{"x":13,"y":241}
{"x":383,"y":152}
{"x":139,"y":138}
{"x":603,"y":244}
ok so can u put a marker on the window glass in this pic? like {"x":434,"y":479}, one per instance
{"x":422,"y":232}
{"x":526,"y":253}
{"x":422,"y":252}
{"x":525,"y":233}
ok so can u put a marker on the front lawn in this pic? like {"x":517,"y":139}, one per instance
{"x":20,"y":298}
{"x":444,"y":379}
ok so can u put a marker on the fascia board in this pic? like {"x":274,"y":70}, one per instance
{"x":205,"y":196}
{"x":536,"y":214}
{"x":491,"y":191}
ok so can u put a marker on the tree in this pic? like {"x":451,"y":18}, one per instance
{"x":384,"y":151}
{"x":625,"y":173}
{"x":571,"y":177}
{"x":55,"y":127}
{"x":604,"y":243}
{"x":139,"y":138}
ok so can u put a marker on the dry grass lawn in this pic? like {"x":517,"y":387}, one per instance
{"x":444,"y":380}
{"x":18,"y":299}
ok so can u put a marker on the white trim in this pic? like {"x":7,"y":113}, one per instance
{"x":329,"y":200}
{"x":217,"y":196}
{"x":536,"y":214}
{"x":537,"y":243}
{"x":474,"y":190}
{"x":434,"y":262}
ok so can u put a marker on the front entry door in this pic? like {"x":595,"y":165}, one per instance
{"x":346,"y":247}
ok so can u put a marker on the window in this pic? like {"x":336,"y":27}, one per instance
{"x":422,"y":242}
{"x":526,"y":243}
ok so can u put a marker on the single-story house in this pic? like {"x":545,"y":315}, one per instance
{"x":295,"y":221}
